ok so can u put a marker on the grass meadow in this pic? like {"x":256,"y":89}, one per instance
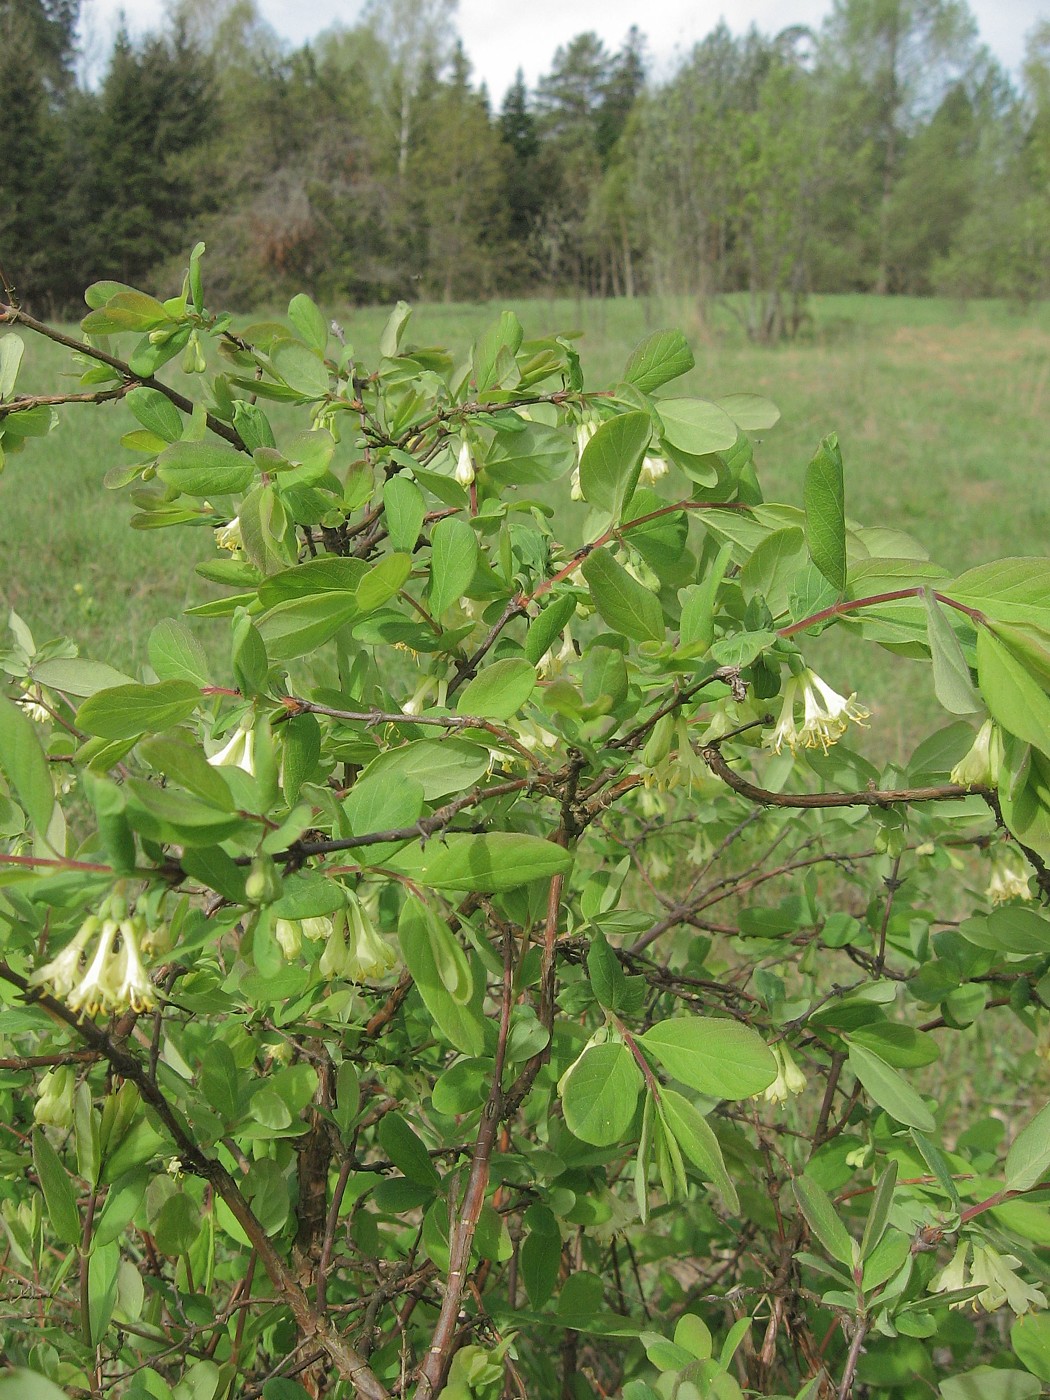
{"x":942,"y":410}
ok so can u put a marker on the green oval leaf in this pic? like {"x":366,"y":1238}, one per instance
{"x":713,"y":1055}
{"x":499,"y":691}
{"x":1028,"y":1160}
{"x":128,"y":710}
{"x":697,"y":1140}
{"x":622,"y":602}
{"x":453,"y":559}
{"x":59,"y":1196}
{"x":816,"y":1206}
{"x":488,"y":864}
{"x":612,"y":460}
{"x":301,"y":368}
{"x":661,"y":357}
{"x":205,"y":468}
{"x":23,"y":761}
{"x":696,"y":426}
{"x":599,"y":1094}
{"x":824,"y":499}
{"x":889,"y":1089}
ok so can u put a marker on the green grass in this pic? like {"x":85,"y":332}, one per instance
{"x":941,"y":411}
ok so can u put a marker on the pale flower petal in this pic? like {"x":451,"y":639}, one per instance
{"x":368,"y":955}
{"x":229,"y":536}
{"x":464,"y":472}
{"x":981,"y":764}
{"x":239,"y":749}
{"x":826,"y":715}
{"x":953,"y":1275}
{"x":60,"y":975}
{"x":653,"y":468}
{"x":94,"y":991}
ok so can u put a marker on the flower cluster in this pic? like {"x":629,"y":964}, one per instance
{"x":239,"y":749}
{"x":54,"y":1100}
{"x":230,"y":537}
{"x":552,"y":663}
{"x":32,"y":703}
{"x":355,"y":951}
{"x":826,"y":715}
{"x":789,"y":1080}
{"x":290,"y":933}
{"x":983,"y":761}
{"x":101,"y":968}
{"x":994,"y":1273}
{"x":1009,"y":880}
{"x":653,"y":468}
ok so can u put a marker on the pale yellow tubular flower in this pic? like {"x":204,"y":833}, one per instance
{"x":1020,"y":1296}
{"x":575,"y":489}
{"x":776,"y":1092}
{"x":335,"y":956}
{"x":982,"y":762}
{"x":54,"y":1103}
{"x":94,"y":991}
{"x":584,"y":432}
{"x":229,"y":536}
{"x":317,"y":927}
{"x":839,"y":706}
{"x":786,"y":731}
{"x":239,"y":749}
{"x":368,"y":955}
{"x":1007,"y":883}
{"x":289,"y":936}
{"x":953,"y":1275}
{"x":1001,"y":1284}
{"x":60,"y":975}
{"x":134,"y":990}
{"x":156,"y":939}
{"x":653,"y":468}
{"x":794,"y":1079}
{"x":533,"y":736}
{"x":419,"y":699}
{"x":464,"y":472}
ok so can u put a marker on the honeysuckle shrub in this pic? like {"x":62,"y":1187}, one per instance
{"x":469,"y":957}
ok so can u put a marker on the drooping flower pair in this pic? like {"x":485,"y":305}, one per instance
{"x":1009,"y":880}
{"x":789,"y":1080}
{"x":290,"y":933}
{"x":983,"y":761}
{"x":239,"y":749}
{"x":101,"y":969}
{"x":825,"y":715}
{"x":355,"y":951}
{"x":994,"y":1273}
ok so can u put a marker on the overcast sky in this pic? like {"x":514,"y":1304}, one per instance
{"x":501,"y":35}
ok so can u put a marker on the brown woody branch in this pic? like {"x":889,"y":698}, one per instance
{"x":450,"y":722}
{"x":21,"y":402}
{"x":434,"y":1364}
{"x":15,"y":315}
{"x":870,"y":797}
